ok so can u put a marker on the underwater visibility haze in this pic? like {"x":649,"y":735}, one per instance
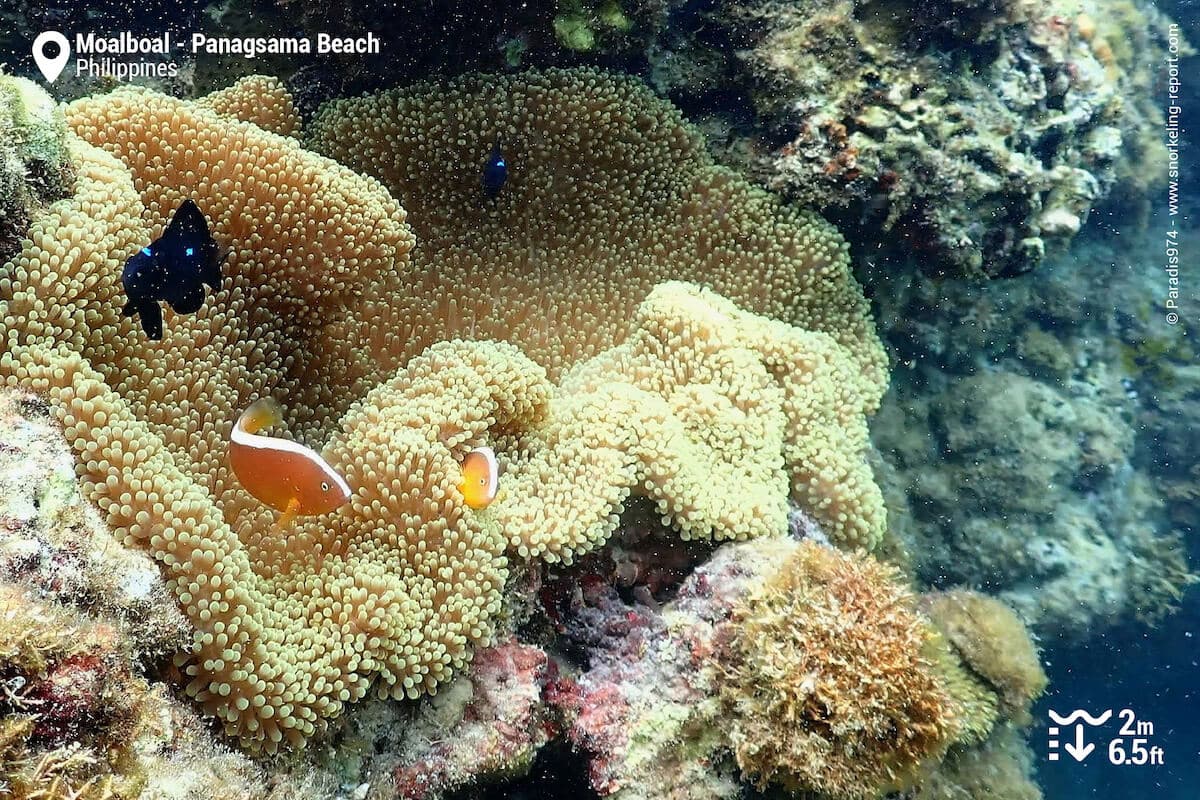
{"x":671,"y":399}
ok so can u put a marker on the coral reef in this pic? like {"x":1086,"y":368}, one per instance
{"x":55,"y":546}
{"x":73,"y":708}
{"x":975,"y":138}
{"x":489,"y":727}
{"x":68,"y":702}
{"x":1169,"y":450}
{"x":321,"y":304}
{"x":34,"y":167}
{"x":1005,"y":500}
{"x":679,"y":701}
{"x":71,"y":695}
{"x":643,"y":709}
{"x":1158,"y":362}
{"x":483,"y":729}
{"x":628,"y":325}
{"x":1016,"y":438}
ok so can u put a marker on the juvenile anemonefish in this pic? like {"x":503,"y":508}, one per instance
{"x":480,"y":477}
{"x":285,"y":475}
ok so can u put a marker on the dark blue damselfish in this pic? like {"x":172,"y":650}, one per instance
{"x":173,"y":268}
{"x":495,"y":172}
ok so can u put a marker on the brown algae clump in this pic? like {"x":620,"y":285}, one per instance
{"x":993,"y":644}
{"x":825,"y":681}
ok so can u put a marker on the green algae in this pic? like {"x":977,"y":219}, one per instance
{"x":1153,"y":359}
{"x":579,"y":26}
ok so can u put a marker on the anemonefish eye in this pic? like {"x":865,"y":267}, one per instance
{"x":324,"y":486}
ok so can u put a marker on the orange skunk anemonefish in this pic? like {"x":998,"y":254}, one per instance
{"x":285,"y":475}
{"x":480,"y":477}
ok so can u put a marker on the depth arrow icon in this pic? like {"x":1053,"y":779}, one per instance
{"x":1079,"y":751}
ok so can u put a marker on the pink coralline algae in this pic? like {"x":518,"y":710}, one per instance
{"x":504,"y":724}
{"x":68,"y":700}
{"x":602,"y":704}
{"x":642,"y":711}
{"x":622,"y":679}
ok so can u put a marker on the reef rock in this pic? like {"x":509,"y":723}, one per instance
{"x":35,"y":169}
{"x":1033,"y":443}
{"x":771,"y":651}
{"x":977,"y":135}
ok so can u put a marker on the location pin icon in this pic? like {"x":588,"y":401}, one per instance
{"x":51,"y":67}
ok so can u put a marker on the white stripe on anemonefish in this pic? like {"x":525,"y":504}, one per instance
{"x":489,"y":457}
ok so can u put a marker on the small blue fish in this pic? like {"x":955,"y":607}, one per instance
{"x":173,"y":268}
{"x":495,"y":171}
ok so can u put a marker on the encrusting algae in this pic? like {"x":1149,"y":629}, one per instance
{"x":590,"y":378}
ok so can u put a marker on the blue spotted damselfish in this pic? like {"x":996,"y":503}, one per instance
{"x":495,"y":172}
{"x":173,"y":268}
